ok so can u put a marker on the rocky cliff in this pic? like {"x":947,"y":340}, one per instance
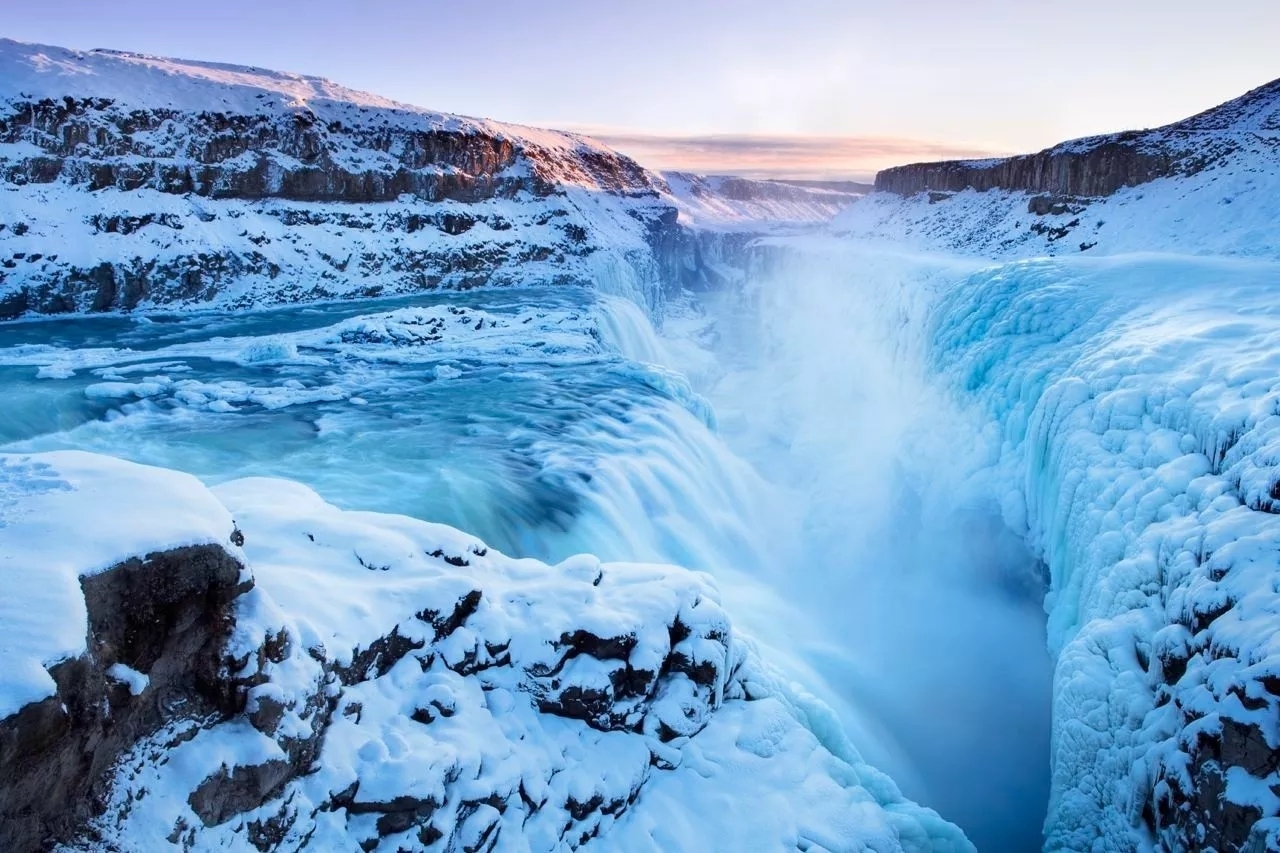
{"x":1101,"y":165}
{"x":167,"y":615}
{"x":132,"y":180}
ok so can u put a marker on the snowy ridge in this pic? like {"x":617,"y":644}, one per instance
{"x":451,"y":697}
{"x":1096,"y":166}
{"x":133,"y":181}
{"x":32,"y":74}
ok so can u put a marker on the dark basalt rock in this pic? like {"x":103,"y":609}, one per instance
{"x":1204,"y":817}
{"x":287,"y":154}
{"x":1101,"y":165}
{"x":239,"y":789}
{"x":1100,"y":171}
{"x":166,"y":615}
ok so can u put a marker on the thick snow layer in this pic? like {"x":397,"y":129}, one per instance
{"x":1135,"y":400}
{"x":444,"y":666}
{"x":67,"y":515}
{"x":135,"y":80}
{"x":1228,"y":209}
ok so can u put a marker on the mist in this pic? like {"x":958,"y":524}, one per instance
{"x":910,"y":600}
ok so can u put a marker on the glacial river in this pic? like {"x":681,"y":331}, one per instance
{"x":760,"y":440}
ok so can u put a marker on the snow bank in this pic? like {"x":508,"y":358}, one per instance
{"x":67,"y":515}
{"x":410,"y":689}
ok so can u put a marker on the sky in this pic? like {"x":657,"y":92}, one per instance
{"x":802,"y":88}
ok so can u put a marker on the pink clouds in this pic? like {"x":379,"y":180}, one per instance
{"x":777,"y":156}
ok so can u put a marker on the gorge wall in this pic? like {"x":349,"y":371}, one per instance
{"x":1101,"y":165}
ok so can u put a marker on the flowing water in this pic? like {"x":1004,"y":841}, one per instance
{"x":833,"y":500}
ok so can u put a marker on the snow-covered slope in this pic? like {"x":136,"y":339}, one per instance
{"x":733,"y":203}
{"x":1100,"y":165}
{"x":383,"y":683}
{"x":129,"y":180}
{"x":1123,"y":353}
{"x":1216,"y":191}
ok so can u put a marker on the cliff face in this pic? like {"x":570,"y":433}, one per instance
{"x":1101,"y":165}
{"x":136,"y":181}
{"x":168,"y":616}
{"x":130,"y":121}
{"x":97,"y":144}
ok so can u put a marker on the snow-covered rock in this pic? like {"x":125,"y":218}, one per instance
{"x":1211,"y":187}
{"x":118,"y":582}
{"x":375,"y":682}
{"x":129,"y":180}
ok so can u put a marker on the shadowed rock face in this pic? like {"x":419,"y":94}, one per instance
{"x":1098,"y":172}
{"x":166,"y":616}
{"x":1101,"y":165}
{"x":295,"y":156}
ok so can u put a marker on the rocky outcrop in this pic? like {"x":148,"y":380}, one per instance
{"x":1101,"y":165}
{"x":1208,"y":814}
{"x":428,"y":685}
{"x":138,"y":181}
{"x":99,"y":145}
{"x":157,"y":626}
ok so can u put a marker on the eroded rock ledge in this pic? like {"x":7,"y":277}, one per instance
{"x":157,"y":627}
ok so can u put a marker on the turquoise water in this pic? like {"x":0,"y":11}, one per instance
{"x":542,"y":422}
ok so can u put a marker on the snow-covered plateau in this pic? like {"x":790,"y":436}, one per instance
{"x":378,"y":479}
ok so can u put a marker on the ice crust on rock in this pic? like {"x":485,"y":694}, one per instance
{"x":1136,"y":402}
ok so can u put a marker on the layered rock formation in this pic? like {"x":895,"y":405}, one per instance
{"x":166,"y":615}
{"x":134,"y":181}
{"x":1101,"y":165}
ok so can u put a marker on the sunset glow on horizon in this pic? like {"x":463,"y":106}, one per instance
{"x":778,"y":156}
{"x":812,"y":88}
